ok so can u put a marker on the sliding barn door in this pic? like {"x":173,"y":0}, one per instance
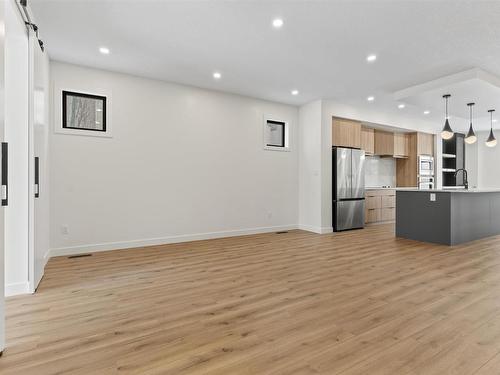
{"x":39,"y":173}
{"x":3,"y":170}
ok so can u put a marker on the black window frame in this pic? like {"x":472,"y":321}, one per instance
{"x":65,"y":94}
{"x":283,"y":136}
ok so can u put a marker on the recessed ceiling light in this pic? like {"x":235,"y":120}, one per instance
{"x":104,"y":50}
{"x":427,"y":112}
{"x":370,"y":98}
{"x":295,"y":92}
{"x":217,"y":75}
{"x":277,"y":23}
{"x":401,"y":106}
{"x":371,"y":58}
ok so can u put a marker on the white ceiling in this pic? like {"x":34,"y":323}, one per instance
{"x":471,"y":86}
{"x":321,"y":49}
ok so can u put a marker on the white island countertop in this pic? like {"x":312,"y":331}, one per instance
{"x":461,"y":191}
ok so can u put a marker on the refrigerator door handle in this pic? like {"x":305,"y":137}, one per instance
{"x":358,"y":174}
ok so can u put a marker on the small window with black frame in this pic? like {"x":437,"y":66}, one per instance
{"x":275,"y":134}
{"x":83,"y":111}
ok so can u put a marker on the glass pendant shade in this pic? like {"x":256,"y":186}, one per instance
{"x":470,"y":138}
{"x":491,"y":141}
{"x":447,"y":132}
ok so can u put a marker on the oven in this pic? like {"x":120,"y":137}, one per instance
{"x":426,"y":182}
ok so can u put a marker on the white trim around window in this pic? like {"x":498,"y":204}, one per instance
{"x":58,"y":110}
{"x":281,"y":144}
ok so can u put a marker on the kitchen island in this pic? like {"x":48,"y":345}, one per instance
{"x":449,"y":217}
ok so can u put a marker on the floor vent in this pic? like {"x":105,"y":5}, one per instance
{"x":79,"y":256}
{"x":282,"y":232}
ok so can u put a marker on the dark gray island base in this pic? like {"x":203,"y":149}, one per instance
{"x":449,"y":217}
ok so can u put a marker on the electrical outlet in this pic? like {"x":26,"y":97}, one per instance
{"x":64,"y":229}
{"x":433,"y":197}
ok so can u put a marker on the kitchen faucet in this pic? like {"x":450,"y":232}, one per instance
{"x":464,"y":171}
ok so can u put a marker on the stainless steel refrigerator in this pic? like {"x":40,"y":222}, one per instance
{"x":348,"y":188}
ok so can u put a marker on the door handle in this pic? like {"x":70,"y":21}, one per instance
{"x":37,"y":177}
{"x":5,"y":174}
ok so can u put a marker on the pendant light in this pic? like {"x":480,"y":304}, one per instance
{"x":447,"y":133}
{"x":491,"y":141}
{"x":470,"y":138}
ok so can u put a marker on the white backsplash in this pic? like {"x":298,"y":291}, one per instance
{"x":380,"y":171}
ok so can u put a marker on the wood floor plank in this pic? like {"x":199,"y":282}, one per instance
{"x":353,"y":302}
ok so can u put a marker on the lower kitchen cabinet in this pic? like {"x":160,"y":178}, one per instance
{"x":368,"y":140}
{"x":372,"y":215}
{"x":380,"y":206}
{"x":388,"y":214}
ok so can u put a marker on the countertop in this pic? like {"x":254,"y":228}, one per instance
{"x":455,"y":191}
{"x":379,"y":188}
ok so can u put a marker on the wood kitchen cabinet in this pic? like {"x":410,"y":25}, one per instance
{"x":391,"y":144}
{"x":368,"y":140}
{"x":400,"y":145}
{"x":388,"y":214}
{"x":346,"y":133}
{"x":425,"y":144}
{"x":380,"y":205}
{"x":384,"y":143}
{"x":407,"y":169}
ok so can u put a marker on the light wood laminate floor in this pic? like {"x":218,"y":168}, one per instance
{"x":359,"y":302}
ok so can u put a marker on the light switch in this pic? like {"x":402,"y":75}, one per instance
{"x":433,"y":197}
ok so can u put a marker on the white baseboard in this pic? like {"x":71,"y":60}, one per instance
{"x":16,"y":289}
{"x":325,"y":230}
{"x":46,"y":258}
{"x":314,"y":229}
{"x":73,"y":250}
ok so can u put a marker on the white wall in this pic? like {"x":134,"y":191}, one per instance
{"x":310,"y":167}
{"x":183,"y":163}
{"x":471,"y":161}
{"x":16,"y":134}
{"x":488,"y":162}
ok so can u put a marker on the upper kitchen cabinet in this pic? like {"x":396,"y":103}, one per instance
{"x":384,"y":143}
{"x":400,"y":145}
{"x":425,"y":144}
{"x":346,"y":133}
{"x":368,"y":140}
{"x":391,"y":144}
